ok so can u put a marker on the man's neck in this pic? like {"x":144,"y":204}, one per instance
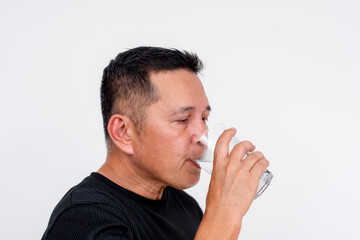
{"x":120,"y":170}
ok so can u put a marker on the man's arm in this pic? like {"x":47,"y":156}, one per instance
{"x":232,"y":188}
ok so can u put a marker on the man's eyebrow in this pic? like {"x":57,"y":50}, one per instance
{"x":185,"y":109}
{"x":182,"y":110}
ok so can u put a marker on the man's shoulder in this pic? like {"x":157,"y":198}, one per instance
{"x":91,"y":196}
{"x":90,"y":203}
{"x":90,"y":191}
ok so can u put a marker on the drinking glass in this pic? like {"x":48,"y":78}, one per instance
{"x":205,"y":157}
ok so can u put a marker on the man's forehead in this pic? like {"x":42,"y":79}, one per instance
{"x":179,"y":91}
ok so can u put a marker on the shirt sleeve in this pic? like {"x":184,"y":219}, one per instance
{"x":89,"y":221}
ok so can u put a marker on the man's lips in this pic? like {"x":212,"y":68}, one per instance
{"x":195,"y":163}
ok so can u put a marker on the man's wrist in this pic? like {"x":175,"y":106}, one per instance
{"x":219,"y":225}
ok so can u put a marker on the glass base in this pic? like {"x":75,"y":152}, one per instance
{"x":264,"y":183}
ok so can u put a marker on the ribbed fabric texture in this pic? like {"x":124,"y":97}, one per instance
{"x":97,"y":208}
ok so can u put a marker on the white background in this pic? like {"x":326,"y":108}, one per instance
{"x":285,"y":73}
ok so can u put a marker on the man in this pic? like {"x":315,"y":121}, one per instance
{"x":154,"y":110}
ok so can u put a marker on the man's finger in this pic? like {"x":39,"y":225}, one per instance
{"x":258,"y":168}
{"x":241,"y":149}
{"x":222,"y":146}
{"x":251,"y":159}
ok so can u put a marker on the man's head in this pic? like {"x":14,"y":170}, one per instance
{"x":154,"y":109}
{"x":126,"y":87}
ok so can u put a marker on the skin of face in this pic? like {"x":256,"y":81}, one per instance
{"x":164,"y":148}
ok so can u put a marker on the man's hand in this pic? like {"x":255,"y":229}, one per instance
{"x":234,"y":181}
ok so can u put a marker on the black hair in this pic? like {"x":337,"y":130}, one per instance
{"x":126,"y":87}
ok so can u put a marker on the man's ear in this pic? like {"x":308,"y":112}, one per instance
{"x":122,"y":132}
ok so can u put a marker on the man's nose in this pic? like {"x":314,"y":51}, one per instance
{"x":198,"y":132}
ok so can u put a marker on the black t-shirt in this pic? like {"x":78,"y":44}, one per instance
{"x":97,"y":208}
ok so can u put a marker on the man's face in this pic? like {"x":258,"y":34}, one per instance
{"x":171,"y":130}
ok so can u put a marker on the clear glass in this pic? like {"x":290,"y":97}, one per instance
{"x":205,"y":156}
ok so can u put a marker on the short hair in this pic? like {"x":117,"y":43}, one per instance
{"x":126,"y":87}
